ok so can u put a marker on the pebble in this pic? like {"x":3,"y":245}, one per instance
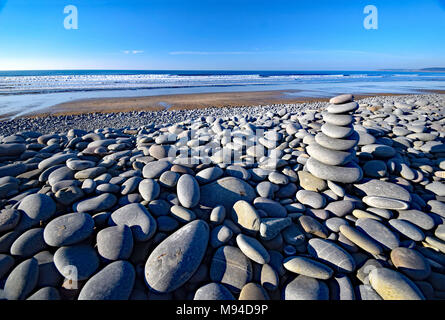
{"x":231,"y":268}
{"x":22,"y":280}
{"x":177,"y":258}
{"x":392,"y":285}
{"x":411,"y":263}
{"x":245,"y":215}
{"x":115,"y":243}
{"x":29,"y":243}
{"x":188,"y":191}
{"x":213,"y":291}
{"x":306,"y":288}
{"x":137,"y":217}
{"x":253,"y":249}
{"x":226,"y":191}
{"x":311,"y":199}
{"x":35,"y":208}
{"x":113,"y":282}
{"x":68,"y":229}
{"x":378,"y":232}
{"x":308,"y":267}
{"x":149,"y":189}
{"x":331,"y":254}
{"x":96,"y":204}
{"x":253,"y":291}
{"x":83,"y":257}
{"x":347,"y":174}
{"x":9,"y":218}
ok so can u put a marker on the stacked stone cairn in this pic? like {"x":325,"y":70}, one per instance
{"x":332,"y":154}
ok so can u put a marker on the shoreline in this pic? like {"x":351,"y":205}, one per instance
{"x":136,"y":118}
{"x":175,"y":102}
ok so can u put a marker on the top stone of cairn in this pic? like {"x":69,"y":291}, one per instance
{"x":342,"y":99}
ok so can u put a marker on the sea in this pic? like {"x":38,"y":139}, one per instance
{"x":23,"y":92}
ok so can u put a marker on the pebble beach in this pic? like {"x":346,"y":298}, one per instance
{"x":338,"y":200}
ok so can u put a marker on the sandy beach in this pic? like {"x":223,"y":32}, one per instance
{"x":184,"y":102}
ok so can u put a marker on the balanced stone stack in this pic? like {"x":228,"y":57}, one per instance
{"x":332,"y":152}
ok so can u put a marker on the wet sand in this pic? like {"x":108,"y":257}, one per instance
{"x":181,"y":102}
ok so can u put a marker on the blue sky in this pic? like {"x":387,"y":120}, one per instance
{"x":218,"y":35}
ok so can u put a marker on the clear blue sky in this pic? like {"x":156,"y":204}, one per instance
{"x":222,"y":34}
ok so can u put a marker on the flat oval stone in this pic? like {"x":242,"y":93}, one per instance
{"x":336,"y":132}
{"x":29,"y":243}
{"x":343,"y":98}
{"x":155,"y":168}
{"x":337,"y":144}
{"x":392,"y":285}
{"x":9,"y":218}
{"x":22,"y":280}
{"x":346,"y":174}
{"x":226,"y":191}
{"x":418,"y":218}
{"x":54,"y":160}
{"x":331,"y":254}
{"x":338,"y":119}
{"x":137,"y":217}
{"x":269,"y":277}
{"x":84,"y":258}
{"x":63,"y":173}
{"x":407,"y":229}
{"x":209,"y":175}
{"x":175,"y":260}
{"x":68,"y":229}
{"x":380,"y":188}
{"x":188,"y":191}
{"x":35,"y":208}
{"x":309,"y":182}
{"x":149,"y":189}
{"x":114,"y":282}
{"x":378,"y":232}
{"x":342,"y":108}
{"x":115,"y":243}
{"x":340,"y":208}
{"x":245,"y":215}
{"x":13,"y":169}
{"x":253,"y":291}
{"x":96,"y":204}
{"x":306,"y":288}
{"x":411,"y":263}
{"x":78,"y":165}
{"x":213,"y":291}
{"x":11,"y":149}
{"x":273,"y":208}
{"x":220,"y":235}
{"x":253,"y":249}
{"x":308,"y":267}
{"x":311,"y":198}
{"x":182,"y":214}
{"x":385,"y":203}
{"x":328,"y":156}
{"x":361,"y":240}
{"x":231,"y":268}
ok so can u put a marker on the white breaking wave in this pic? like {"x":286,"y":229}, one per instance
{"x":57,"y":83}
